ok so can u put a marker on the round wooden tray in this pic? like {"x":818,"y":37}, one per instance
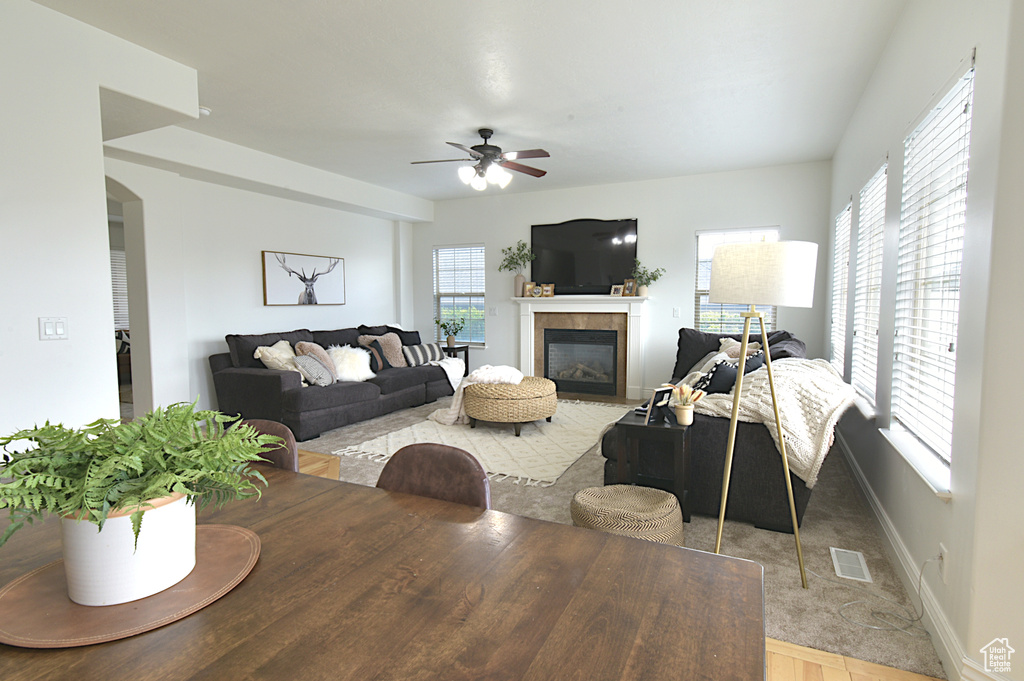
{"x":35,"y":611}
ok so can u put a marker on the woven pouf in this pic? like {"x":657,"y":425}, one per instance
{"x":631,"y":511}
{"x":532,"y":399}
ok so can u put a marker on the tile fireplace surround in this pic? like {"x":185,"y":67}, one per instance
{"x":577,"y":310}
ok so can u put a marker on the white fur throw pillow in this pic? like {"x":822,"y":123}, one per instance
{"x":278,"y":356}
{"x":391,"y":344}
{"x":350,"y":364}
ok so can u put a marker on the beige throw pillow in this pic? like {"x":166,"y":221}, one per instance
{"x":315,"y":350}
{"x":278,"y":356}
{"x":392,"y":346}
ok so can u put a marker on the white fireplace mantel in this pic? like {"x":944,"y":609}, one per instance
{"x":632,"y":306}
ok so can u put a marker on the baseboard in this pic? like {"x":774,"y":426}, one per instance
{"x":957,"y":665}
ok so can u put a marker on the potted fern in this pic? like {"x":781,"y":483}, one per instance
{"x":516,"y":259}
{"x":108,"y":479}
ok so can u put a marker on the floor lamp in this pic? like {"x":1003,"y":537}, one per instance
{"x":779,"y":273}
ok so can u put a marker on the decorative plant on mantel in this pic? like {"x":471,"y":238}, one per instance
{"x":109,"y":466}
{"x":516,"y":259}
{"x":644,"y":276}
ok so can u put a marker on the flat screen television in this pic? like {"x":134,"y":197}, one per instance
{"x":583,"y":256}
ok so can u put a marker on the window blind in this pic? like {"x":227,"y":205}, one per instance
{"x":725,"y":317}
{"x":868,"y":285}
{"x":459,"y":289}
{"x":928,"y":269}
{"x":119,"y":284}
{"x":840,"y":277}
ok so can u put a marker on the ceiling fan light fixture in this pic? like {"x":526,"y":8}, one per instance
{"x":498,"y":175}
{"x":478,"y":183}
{"x":466,"y":174}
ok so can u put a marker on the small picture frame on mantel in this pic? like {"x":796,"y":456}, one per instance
{"x":629,"y":287}
{"x":547,"y":290}
{"x":616,"y":290}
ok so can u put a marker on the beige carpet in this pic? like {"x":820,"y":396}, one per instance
{"x":837,"y":515}
{"x":538,"y":456}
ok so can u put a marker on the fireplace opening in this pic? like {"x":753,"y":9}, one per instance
{"x":581,"y":360}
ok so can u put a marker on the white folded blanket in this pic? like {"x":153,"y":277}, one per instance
{"x":456,"y":413}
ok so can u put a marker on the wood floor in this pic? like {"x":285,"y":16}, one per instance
{"x":785,"y":661}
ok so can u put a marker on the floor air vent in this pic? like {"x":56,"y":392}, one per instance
{"x":850,"y":564}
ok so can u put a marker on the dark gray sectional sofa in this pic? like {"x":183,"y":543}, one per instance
{"x":757,"y":489}
{"x":245,"y":386}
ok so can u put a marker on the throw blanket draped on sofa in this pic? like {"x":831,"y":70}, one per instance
{"x":812,"y":397}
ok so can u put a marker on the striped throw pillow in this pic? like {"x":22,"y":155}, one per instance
{"x":416,"y":355}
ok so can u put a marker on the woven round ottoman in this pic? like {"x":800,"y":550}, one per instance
{"x":531,"y":400}
{"x":630,"y":511}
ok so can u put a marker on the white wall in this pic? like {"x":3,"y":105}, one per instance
{"x":53,"y":207}
{"x":669,"y":213}
{"x":984,"y":597}
{"x":205,"y":276}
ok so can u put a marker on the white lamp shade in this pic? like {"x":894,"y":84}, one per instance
{"x":466,"y":174}
{"x":764,"y":273}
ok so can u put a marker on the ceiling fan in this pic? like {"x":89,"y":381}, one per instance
{"x":491,"y":163}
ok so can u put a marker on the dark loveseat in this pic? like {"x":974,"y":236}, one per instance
{"x":757,"y":490}
{"x":245,"y":386}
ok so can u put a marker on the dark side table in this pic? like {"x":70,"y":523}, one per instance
{"x":635,"y":436}
{"x":454,"y":350}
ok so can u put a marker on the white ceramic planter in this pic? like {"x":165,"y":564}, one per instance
{"x":684,"y":414}
{"x":105,"y":568}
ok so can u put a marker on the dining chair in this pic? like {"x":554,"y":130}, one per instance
{"x":438,"y":471}
{"x":286,"y":455}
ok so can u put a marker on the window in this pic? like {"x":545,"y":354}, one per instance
{"x":840,"y":277}
{"x":724,"y":317}
{"x":119,"y":282}
{"x":928,"y":270}
{"x":868,"y":285}
{"x":459,"y":289}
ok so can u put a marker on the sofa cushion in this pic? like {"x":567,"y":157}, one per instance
{"x":378,"y":362}
{"x":280,"y":356}
{"x":695,"y":345}
{"x":313,"y":370}
{"x":390,"y":345}
{"x":722,"y":377}
{"x":326,"y":339}
{"x":242,"y":347}
{"x":350,"y":364}
{"x":400,"y":378}
{"x":334,"y":395}
{"x":372,"y":330}
{"x":407,"y":337}
{"x":317,"y":351}
{"x":415,"y":355}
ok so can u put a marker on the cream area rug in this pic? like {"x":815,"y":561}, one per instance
{"x":538,"y":456}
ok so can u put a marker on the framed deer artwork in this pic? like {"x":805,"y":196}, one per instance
{"x":298,"y":279}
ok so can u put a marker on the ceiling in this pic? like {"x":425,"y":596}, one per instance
{"x":615,"y":90}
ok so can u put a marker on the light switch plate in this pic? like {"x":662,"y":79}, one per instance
{"x":53,"y":328}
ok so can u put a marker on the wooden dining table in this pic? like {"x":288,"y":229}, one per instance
{"x":354,"y":582}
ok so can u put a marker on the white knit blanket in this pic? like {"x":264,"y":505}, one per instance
{"x":456,"y":412}
{"x":812,"y":396}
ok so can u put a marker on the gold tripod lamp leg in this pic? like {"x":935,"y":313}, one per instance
{"x":782,"y":442}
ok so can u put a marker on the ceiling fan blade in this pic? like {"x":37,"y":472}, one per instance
{"x":446,"y":160}
{"x":528,"y":153}
{"x":512,"y":165}
{"x":472,"y":152}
